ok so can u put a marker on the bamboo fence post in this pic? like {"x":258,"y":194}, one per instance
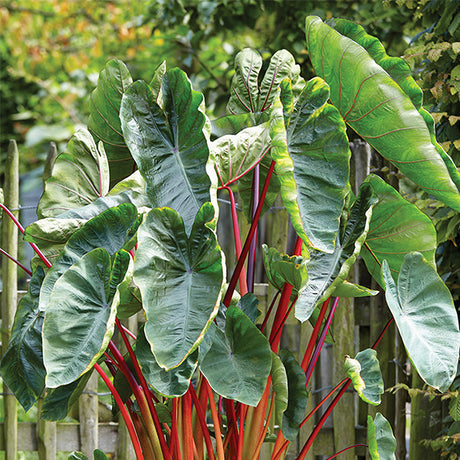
{"x":88,"y":405}
{"x":10,"y":288}
{"x":46,"y":437}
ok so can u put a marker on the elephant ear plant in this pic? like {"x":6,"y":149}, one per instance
{"x":128,"y":225}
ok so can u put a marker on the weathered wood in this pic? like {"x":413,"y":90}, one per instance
{"x":10,"y":288}
{"x":46,"y":437}
{"x":88,"y":404}
{"x":422,"y":426}
{"x":344,"y":413}
{"x":400,"y":399}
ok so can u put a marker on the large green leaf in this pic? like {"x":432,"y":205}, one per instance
{"x":327,"y":271}
{"x":104,"y":120}
{"x":364,"y":371}
{"x":170,"y":146}
{"x":237,"y":154}
{"x":22,"y":365}
{"x":79,"y":319}
{"x":58,"y":401}
{"x":80,"y":176}
{"x":381,"y":442}
{"x":280,"y":387}
{"x":426,"y":318}
{"x":397,"y":227}
{"x":297,"y":396}
{"x":172,"y":383}
{"x":245,"y":93}
{"x":180,"y":277}
{"x":312,"y":163}
{"x":239,"y":362}
{"x":377,"y":97}
{"x":109,"y":230}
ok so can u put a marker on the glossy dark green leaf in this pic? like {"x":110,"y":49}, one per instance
{"x":129,"y":294}
{"x":426,"y":318}
{"x":397,"y":227}
{"x":170,"y":145}
{"x":104,"y":120}
{"x":109,"y":230}
{"x":172,"y":383}
{"x":328,"y":271}
{"x":58,"y":401}
{"x":312,"y":164}
{"x":79,"y":319}
{"x":155,"y":83}
{"x":248,"y":305}
{"x":180,"y":277}
{"x":22,"y":365}
{"x":280,"y":387}
{"x":239,"y":362}
{"x":381,"y":442}
{"x":378,"y":98}
{"x":80,"y":176}
{"x":297,"y":396}
{"x":245,"y":93}
{"x":281,"y":268}
{"x":233,"y":124}
{"x":364,"y":372}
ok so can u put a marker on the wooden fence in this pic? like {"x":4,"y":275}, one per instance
{"x":356,"y":325}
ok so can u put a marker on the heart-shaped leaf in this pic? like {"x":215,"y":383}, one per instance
{"x":297,"y":396}
{"x":80,"y":176}
{"x":172,"y":383}
{"x":328,"y":271}
{"x":364,"y":372}
{"x":239,"y":362}
{"x":109,"y":230}
{"x":170,"y":146}
{"x":376,"y":105}
{"x":22,"y":365}
{"x":312,"y":164}
{"x":381,"y":442}
{"x":79,"y":319}
{"x":104,"y":120}
{"x":426,"y":318}
{"x":397,"y":227}
{"x":171,"y":268}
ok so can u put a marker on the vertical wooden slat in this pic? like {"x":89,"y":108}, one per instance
{"x":89,"y":417}
{"x":344,"y":413}
{"x":10,"y":287}
{"x":46,"y":437}
{"x":401,"y":399}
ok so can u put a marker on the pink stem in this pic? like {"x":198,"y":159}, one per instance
{"x":16,"y":261}
{"x":344,"y":450}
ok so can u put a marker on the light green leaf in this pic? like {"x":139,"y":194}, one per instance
{"x":104,"y":120}
{"x":397,"y":227}
{"x":280,"y":387}
{"x":297,"y":396}
{"x":79,"y":319}
{"x":170,"y":146}
{"x":454,"y":408}
{"x":171,"y":268}
{"x":239,"y":362}
{"x":378,"y":98}
{"x":426,"y":318}
{"x":328,"y":271}
{"x":172,"y":383}
{"x":312,"y":164}
{"x":381,"y":442}
{"x":364,"y":371}
{"x":22,"y":367}
{"x":347,"y":289}
{"x":80,"y":176}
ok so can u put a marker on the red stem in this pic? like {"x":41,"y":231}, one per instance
{"x":267,"y":316}
{"x":321,"y":341}
{"x":15,"y":261}
{"x":243,"y":411}
{"x":187,"y":429}
{"x":344,"y":450}
{"x":253,"y":247}
{"x":237,"y":239}
{"x":202,"y":419}
{"x":318,"y":427}
{"x":314,"y":335}
{"x":241,"y":259}
{"x":21,"y":228}
{"x":124,"y":412}
{"x":382,"y":334}
{"x":174,"y":440}
{"x":232,"y":423}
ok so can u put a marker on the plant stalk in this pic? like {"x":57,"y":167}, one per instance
{"x":215,"y":421}
{"x":253,"y":247}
